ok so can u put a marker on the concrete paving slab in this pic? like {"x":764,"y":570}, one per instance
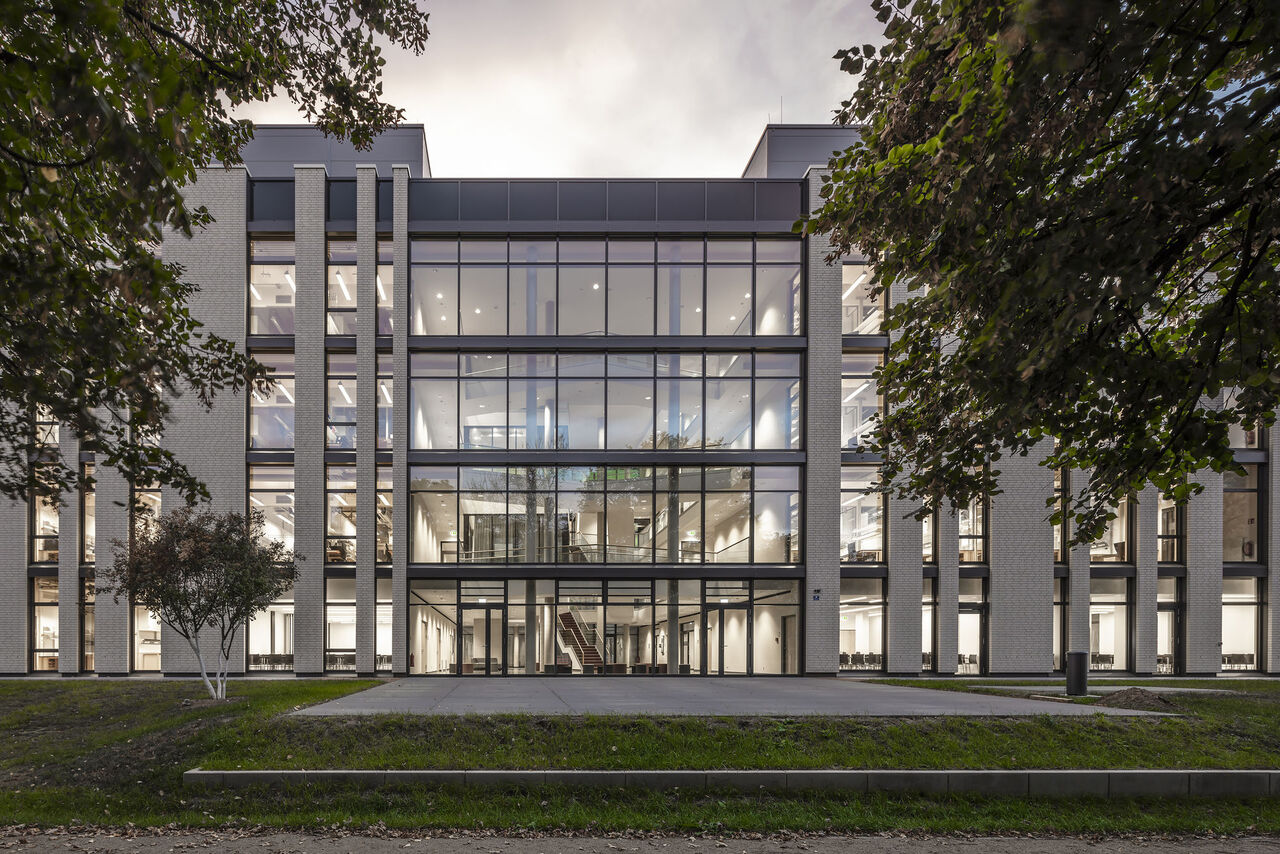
{"x":756,"y":696}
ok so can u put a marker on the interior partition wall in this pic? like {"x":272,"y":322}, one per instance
{"x":628,"y":626}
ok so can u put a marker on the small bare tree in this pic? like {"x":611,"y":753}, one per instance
{"x":196,"y":570}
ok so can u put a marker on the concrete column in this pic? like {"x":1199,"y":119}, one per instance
{"x":400,"y":423}
{"x":69,"y":562}
{"x":673,"y":627}
{"x":1020,"y":589}
{"x":531,"y":627}
{"x":822,"y":474}
{"x":366,"y":417}
{"x":1204,"y":576}
{"x":309,"y":413}
{"x":947,"y":614}
{"x":112,"y":623}
{"x":1147,"y":552}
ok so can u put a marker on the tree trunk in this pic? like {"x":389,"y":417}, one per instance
{"x":204,"y":672}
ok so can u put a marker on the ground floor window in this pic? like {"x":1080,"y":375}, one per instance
{"x":1168,"y":626}
{"x":928,"y":631}
{"x":44,"y":623}
{"x":146,"y":639}
{"x":339,"y":624}
{"x":623,"y":626}
{"x":862,"y":625}
{"x":382,"y":625}
{"x":271,"y":636}
{"x":1109,"y":623}
{"x":90,"y":596}
{"x":971,"y":624}
{"x":1240,"y":624}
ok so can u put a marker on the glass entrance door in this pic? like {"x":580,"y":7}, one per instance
{"x":972,"y":641}
{"x":727,"y":629}
{"x":481,"y":651}
{"x":1169,"y":640}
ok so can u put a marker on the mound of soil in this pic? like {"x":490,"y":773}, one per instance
{"x":1137,"y":698}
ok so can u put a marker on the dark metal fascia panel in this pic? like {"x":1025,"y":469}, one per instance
{"x":602,"y":458}
{"x":503,"y":572}
{"x":878,"y":570}
{"x":772,"y":227}
{"x":594,"y":343}
{"x":1121,"y":570}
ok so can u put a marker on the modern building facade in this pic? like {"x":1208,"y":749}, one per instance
{"x":603,"y":427}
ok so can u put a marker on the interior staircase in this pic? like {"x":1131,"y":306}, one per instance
{"x":573,"y":637}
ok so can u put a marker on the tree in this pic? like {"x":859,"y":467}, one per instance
{"x":1081,"y":201}
{"x":197,"y":570}
{"x":110,"y":107}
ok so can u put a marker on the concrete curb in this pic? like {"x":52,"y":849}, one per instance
{"x":1040,"y":784}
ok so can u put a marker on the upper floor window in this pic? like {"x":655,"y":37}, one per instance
{"x":341,"y":290}
{"x":46,"y":428}
{"x":88,"y":515}
{"x":860,"y":399}
{"x":386,"y":496}
{"x":384,"y":402}
{"x":44,"y":528}
{"x":146,"y":508}
{"x":1240,"y":516}
{"x":973,"y":531}
{"x":929,"y":538}
{"x":384,"y":281}
{"x":860,"y":312}
{"x":593,"y":401}
{"x":340,"y":412}
{"x":861,"y":515}
{"x":1246,"y":437}
{"x":340,"y":527}
{"x":1169,"y":529}
{"x":271,"y":494}
{"x":1116,"y":543}
{"x":271,"y":412}
{"x":272,"y":289}
{"x":1060,"y":551}
{"x":621,"y":286}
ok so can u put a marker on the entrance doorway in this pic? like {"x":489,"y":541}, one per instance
{"x":729,"y":642}
{"x":480,"y":648}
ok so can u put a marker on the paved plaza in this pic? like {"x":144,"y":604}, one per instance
{"x":457,"y":695}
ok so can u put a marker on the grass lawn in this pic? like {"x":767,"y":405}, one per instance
{"x":101,"y":752}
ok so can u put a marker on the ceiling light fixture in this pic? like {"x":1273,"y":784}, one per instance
{"x":845,"y":295}
{"x":288,"y":277}
{"x":342,"y":284}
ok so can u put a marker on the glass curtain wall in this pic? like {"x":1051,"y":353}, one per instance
{"x":622,"y":286}
{"x":616,"y":514}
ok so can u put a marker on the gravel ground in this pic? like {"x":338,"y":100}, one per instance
{"x":301,"y":843}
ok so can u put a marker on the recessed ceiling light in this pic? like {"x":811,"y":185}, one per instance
{"x":698,"y":310}
{"x":595,"y":286}
{"x":731,"y":317}
{"x":439,"y":296}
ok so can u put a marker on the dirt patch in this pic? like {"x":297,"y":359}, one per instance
{"x":1140,"y":699}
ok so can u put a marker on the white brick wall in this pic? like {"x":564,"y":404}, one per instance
{"x":366,"y":416}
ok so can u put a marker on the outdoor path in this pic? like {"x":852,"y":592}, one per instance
{"x":296,"y":843}
{"x":456,"y":695}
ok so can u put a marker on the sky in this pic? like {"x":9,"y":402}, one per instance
{"x":614,"y":88}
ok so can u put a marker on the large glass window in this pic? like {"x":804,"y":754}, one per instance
{"x":1109,"y":623}
{"x":384,"y":287}
{"x":1168,"y":625}
{"x":973,"y":531}
{"x":861,"y":515}
{"x":860,"y":399}
{"x":146,"y":508}
{"x":860,"y":312}
{"x":340,"y":528}
{"x":625,"y":286}
{"x":44,"y":529}
{"x":626,"y":514}
{"x":1240,"y":624}
{"x":270,"y":644}
{"x":1116,"y":543}
{"x":928,"y":623}
{"x":971,"y":627}
{"x":382,"y":625}
{"x":862,"y":627}
{"x":1169,"y":528}
{"x":593,"y":401}
{"x":1246,"y":437}
{"x":385,"y":497}
{"x":339,"y":624}
{"x":44,"y":623}
{"x":272,"y":289}
{"x":271,"y":412}
{"x":433,"y":626}
{"x":89,"y":596}
{"x":271,"y":494}
{"x":384,"y":400}
{"x":1240,"y":516}
{"x":340,"y":411}
{"x":342,"y":290}
{"x":1060,"y":550}
{"x":1060,"y":591}
{"x":146,"y":639}
{"x":46,"y":428}
{"x":88,"y":515}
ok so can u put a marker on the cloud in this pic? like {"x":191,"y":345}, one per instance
{"x":653,"y":88}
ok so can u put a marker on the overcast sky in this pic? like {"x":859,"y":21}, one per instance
{"x":616,"y":88}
